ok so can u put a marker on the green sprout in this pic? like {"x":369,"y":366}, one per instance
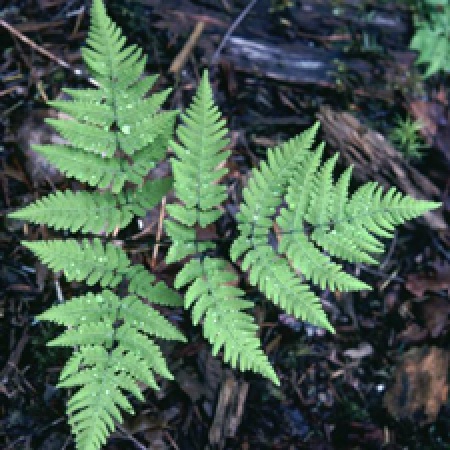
{"x":406,"y":138}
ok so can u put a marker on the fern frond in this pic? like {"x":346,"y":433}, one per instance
{"x":111,"y":359}
{"x":365,"y":217}
{"x":90,"y":261}
{"x":107,"y":307}
{"x":343,"y":227}
{"x":201,"y":151}
{"x":225,"y":322}
{"x":86,"y":211}
{"x":115,"y":118}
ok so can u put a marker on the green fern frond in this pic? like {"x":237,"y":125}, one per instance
{"x":348,"y":228}
{"x":86,"y":211}
{"x":225,"y":322}
{"x":111,"y":359}
{"x":93,"y":261}
{"x":196,"y":170}
{"x":201,"y":151}
{"x":114,"y":119}
{"x":368,"y":212}
{"x":107,"y":307}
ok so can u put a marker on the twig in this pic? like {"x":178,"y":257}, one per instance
{"x":45,"y":52}
{"x":131,"y":437}
{"x":171,"y":441}
{"x":78,"y":22}
{"x":390,"y":252}
{"x":381,"y":274}
{"x":230,"y":31}
{"x":42,"y":91}
{"x":158,"y":233}
{"x":180,"y":59}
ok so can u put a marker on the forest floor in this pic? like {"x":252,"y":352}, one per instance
{"x":380,"y":382}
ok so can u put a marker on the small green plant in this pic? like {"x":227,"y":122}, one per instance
{"x":405,"y":136}
{"x":116,"y":135}
{"x":432,"y":38}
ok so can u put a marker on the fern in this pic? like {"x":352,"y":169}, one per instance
{"x":110,"y":358}
{"x":200,"y":153}
{"x":431,"y":38}
{"x":94,"y":212}
{"x":115,"y":135}
{"x":319,"y":222}
{"x":405,"y":136}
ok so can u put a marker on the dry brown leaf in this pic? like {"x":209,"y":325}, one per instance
{"x":420,"y":385}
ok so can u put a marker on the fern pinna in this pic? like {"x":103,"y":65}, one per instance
{"x":116,"y":135}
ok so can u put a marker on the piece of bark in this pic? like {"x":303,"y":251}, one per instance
{"x":229,"y":410}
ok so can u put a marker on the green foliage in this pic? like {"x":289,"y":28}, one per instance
{"x":432,"y":38}
{"x":405,"y":136}
{"x":139,"y":130}
{"x":319,"y":216}
{"x":109,"y":359}
{"x":116,"y":135}
{"x":197,"y":170}
{"x":94,"y":212}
